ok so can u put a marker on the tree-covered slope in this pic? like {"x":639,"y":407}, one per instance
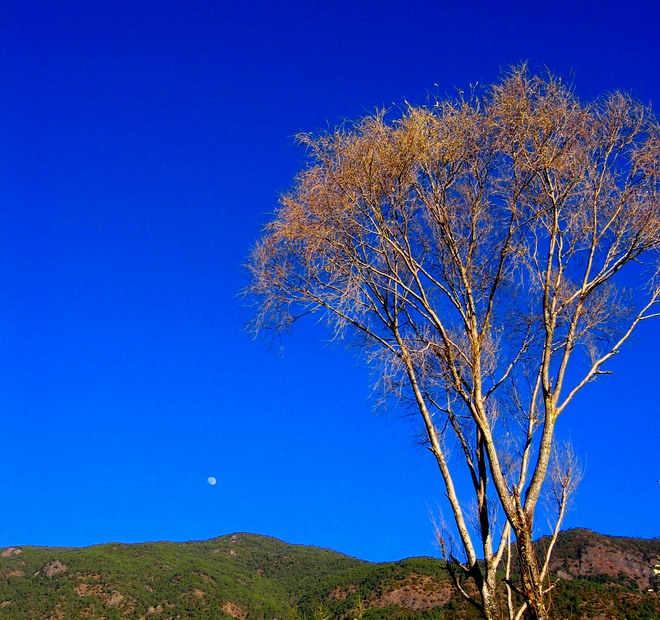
{"x":255,"y":577}
{"x":223,"y":577}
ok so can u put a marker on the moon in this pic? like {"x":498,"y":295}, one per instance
{"x":211,"y":480}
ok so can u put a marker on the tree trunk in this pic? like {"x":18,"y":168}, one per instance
{"x":491,"y":609}
{"x":531,"y":587}
{"x":487,"y":586}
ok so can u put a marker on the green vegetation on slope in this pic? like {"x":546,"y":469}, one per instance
{"x":256,"y":577}
{"x":242,"y":572}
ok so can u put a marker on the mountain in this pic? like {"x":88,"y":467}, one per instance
{"x":605,"y":576}
{"x":248,"y":576}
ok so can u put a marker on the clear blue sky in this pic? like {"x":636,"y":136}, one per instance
{"x":144,"y":145}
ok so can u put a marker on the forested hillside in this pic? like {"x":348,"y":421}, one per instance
{"x":250,"y":576}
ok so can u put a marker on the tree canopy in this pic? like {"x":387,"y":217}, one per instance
{"x":489,"y":254}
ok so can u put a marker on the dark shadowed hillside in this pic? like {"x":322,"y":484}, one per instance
{"x":249,"y":576}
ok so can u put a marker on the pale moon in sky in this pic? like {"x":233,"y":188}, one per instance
{"x":211,"y":480}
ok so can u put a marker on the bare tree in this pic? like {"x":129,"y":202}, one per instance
{"x":474,"y":250}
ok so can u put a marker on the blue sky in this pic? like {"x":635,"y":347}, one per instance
{"x":144,"y":146}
